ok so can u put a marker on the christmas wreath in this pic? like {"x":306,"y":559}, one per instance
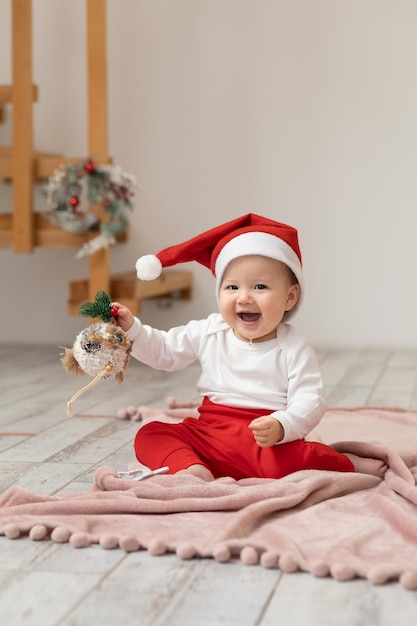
{"x":74,"y":188}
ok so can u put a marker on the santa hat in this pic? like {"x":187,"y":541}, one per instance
{"x":215,"y":248}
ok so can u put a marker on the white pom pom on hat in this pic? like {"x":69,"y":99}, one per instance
{"x":249,"y":234}
{"x":148,"y":267}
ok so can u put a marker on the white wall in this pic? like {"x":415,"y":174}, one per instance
{"x":302,"y":110}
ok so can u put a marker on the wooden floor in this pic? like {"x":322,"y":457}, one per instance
{"x":48,"y":584}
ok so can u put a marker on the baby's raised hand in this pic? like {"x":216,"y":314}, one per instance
{"x":266,"y":430}
{"x":121,"y":315}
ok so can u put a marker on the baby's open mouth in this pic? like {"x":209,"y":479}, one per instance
{"x":249,"y":317}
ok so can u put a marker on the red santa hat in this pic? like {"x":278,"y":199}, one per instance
{"x":217,"y":247}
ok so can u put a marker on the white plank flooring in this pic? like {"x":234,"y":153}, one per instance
{"x":48,"y":584}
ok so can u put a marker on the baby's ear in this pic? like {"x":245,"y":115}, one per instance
{"x":292,"y":297}
{"x":70,"y":363}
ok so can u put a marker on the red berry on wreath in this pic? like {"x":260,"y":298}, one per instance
{"x":89,"y":167}
{"x":74,"y":201}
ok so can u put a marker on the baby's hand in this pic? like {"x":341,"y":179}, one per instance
{"x":121,"y":315}
{"x":266,"y":430}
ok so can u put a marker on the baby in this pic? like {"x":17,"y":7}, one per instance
{"x":260,"y":382}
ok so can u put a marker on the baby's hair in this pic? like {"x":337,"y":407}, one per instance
{"x":291,"y":276}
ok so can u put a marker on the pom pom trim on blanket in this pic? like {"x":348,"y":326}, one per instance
{"x":343,"y":525}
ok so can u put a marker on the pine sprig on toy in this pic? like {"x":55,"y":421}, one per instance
{"x":101,"y":307}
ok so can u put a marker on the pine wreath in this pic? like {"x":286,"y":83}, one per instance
{"x":74,"y":188}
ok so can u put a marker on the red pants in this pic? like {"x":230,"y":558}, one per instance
{"x":221,"y":441}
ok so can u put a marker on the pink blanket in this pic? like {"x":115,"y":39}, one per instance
{"x":325,"y":523}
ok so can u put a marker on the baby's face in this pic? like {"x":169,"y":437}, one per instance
{"x":255,"y":292}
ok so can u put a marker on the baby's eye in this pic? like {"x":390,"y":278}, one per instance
{"x":231,"y":287}
{"x":260,"y":286}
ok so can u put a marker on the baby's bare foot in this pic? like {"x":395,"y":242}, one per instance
{"x":198,"y":470}
{"x":363,"y":465}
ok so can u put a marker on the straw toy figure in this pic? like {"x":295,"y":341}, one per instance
{"x":100,"y":350}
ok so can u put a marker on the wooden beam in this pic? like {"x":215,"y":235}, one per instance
{"x":44,"y":163}
{"x":127,"y":289}
{"x":22,"y":135}
{"x":5,"y":162}
{"x":6,"y":93}
{"x":97,"y":79}
{"x":46,"y":234}
{"x":99,"y":262}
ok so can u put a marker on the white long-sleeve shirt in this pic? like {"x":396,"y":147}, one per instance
{"x":281,"y":374}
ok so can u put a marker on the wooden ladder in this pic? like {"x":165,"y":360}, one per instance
{"x":23,"y":229}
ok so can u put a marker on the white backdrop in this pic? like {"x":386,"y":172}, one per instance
{"x":301,"y":110}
